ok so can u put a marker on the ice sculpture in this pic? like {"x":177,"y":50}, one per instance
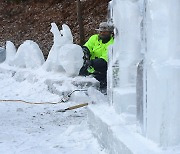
{"x":71,"y":59}
{"x":64,"y":56}
{"x":10,"y":52}
{"x":28,"y":55}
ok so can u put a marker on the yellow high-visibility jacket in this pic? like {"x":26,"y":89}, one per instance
{"x":97,"y":48}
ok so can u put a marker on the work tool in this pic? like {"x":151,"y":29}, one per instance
{"x":67,"y":97}
{"x":73,"y":107}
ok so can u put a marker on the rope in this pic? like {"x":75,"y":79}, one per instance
{"x":22,"y":101}
{"x":63,"y":100}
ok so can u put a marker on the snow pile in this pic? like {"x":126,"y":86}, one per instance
{"x":27,"y":128}
{"x":96,"y":96}
{"x":28,"y":55}
{"x":161,"y":46}
{"x":64,"y":56}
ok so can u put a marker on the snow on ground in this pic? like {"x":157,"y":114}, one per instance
{"x":39,"y":129}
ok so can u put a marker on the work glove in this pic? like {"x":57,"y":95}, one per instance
{"x":87,"y":63}
{"x":83,"y":71}
{"x":86,"y":53}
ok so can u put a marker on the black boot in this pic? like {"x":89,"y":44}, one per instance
{"x":103,"y":87}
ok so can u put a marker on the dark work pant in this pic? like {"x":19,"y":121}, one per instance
{"x":100,"y":74}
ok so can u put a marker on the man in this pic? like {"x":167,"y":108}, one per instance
{"x":96,"y":54}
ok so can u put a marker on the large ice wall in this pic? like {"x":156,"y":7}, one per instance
{"x":28,"y":55}
{"x":126,"y":50}
{"x":128,"y":40}
{"x":157,"y":37}
{"x":163,"y":66}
